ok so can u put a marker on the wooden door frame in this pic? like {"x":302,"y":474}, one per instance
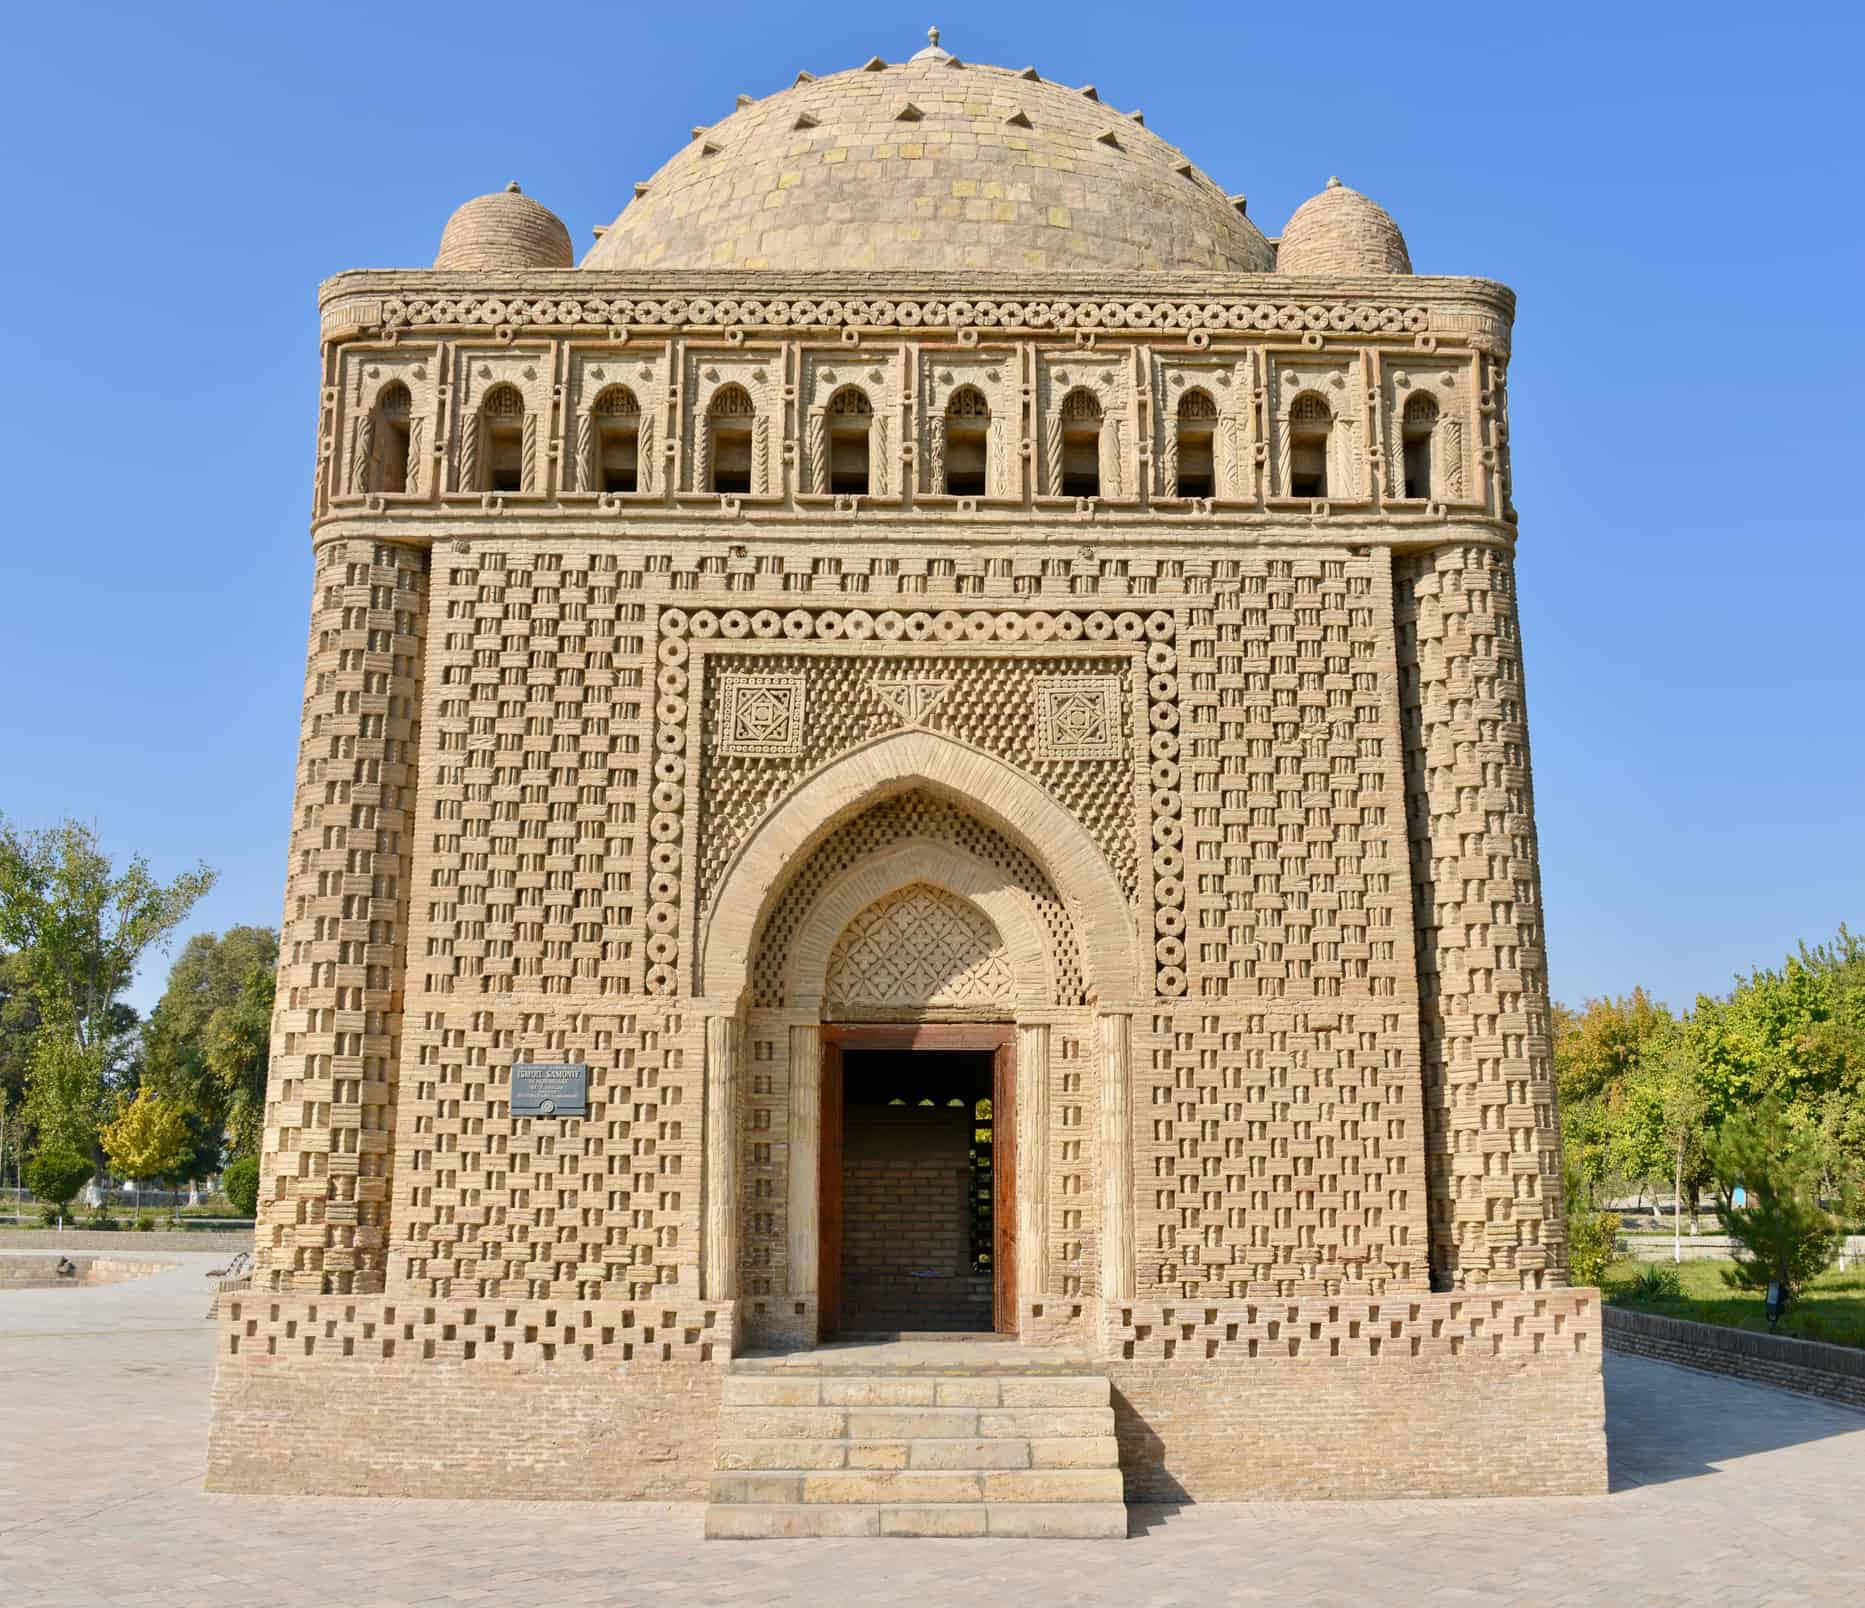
{"x":997,"y":1038}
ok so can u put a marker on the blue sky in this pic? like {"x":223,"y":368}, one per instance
{"x":1673,"y":191}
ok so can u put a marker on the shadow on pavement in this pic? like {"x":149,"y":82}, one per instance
{"x":1667,"y":1423}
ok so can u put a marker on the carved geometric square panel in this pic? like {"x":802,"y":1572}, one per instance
{"x":760,"y":714}
{"x":1078,"y":717}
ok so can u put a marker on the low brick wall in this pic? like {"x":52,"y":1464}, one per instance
{"x":1331,"y":1397}
{"x":41,"y":1272}
{"x":1836,"y":1373}
{"x":373,"y":1396}
{"x":126,"y":1240}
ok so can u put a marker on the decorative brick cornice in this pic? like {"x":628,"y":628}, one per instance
{"x":370,"y":303}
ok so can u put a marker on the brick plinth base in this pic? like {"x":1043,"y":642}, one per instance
{"x":370,"y":1396}
{"x":1331,"y":1397}
{"x":1328,"y":1397}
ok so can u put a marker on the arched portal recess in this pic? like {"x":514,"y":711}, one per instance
{"x":1054,"y":933}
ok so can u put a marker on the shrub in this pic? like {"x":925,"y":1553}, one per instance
{"x":241,"y":1182}
{"x":144,"y":1224}
{"x":54,"y":1176}
{"x":1783,"y":1234}
{"x":1590,"y":1238}
{"x":1659,"y":1282}
{"x":102,"y":1218}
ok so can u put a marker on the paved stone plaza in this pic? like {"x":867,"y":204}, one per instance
{"x":1721,"y":1493}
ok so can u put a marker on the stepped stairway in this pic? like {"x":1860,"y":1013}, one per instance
{"x":915,"y":1438}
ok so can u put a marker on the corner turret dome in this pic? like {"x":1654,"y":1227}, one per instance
{"x":1340,"y":231}
{"x":934,"y":164}
{"x":506,"y":229}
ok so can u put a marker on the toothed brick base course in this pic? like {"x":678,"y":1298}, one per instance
{"x":1330,"y":1397}
{"x":1326,"y":1397}
{"x":367,"y":1396}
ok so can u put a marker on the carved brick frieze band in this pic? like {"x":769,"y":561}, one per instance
{"x":702,"y":312}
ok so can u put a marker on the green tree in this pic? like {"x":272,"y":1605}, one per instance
{"x":19,"y":1022}
{"x":54,"y":1176}
{"x":1597,"y":1052}
{"x":65,"y":1090}
{"x":1661,"y":1124}
{"x":241,"y":1182}
{"x":237,"y":1049}
{"x":1794,"y":1034}
{"x":149,"y":1141}
{"x":1591,"y":1234}
{"x":79,"y":926}
{"x":208,"y":1034}
{"x":1784,"y":1234}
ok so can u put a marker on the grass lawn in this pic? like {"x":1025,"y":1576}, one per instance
{"x":1831,"y":1308}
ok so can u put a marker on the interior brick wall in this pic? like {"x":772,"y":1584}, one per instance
{"x":906,"y":1171}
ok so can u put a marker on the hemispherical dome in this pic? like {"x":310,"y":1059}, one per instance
{"x":1340,"y":231}
{"x":506,"y":229}
{"x":932,"y":164}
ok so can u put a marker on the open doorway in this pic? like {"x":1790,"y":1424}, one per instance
{"x":918,"y":1194}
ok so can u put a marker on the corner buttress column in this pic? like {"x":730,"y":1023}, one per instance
{"x":331,"y":1087}
{"x":1493,"y":1158}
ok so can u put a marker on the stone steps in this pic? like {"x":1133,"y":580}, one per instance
{"x":855,"y":1449}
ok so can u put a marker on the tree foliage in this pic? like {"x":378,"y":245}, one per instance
{"x":1794,"y":1036}
{"x":66,"y":1090}
{"x":19,"y":1021}
{"x":149,"y":1141}
{"x":238,"y":1041}
{"x":208,"y":1034}
{"x":241,"y":1182}
{"x":1784,"y":1234}
{"x":1606,"y":1058}
{"x":1591,"y":1234}
{"x":54,"y":1176}
{"x":77,"y":927}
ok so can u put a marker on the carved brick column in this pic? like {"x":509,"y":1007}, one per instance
{"x":1116,"y":1034}
{"x":331,"y":1086}
{"x":805,"y":1215}
{"x":1032,"y":1161}
{"x":1491,"y":1130}
{"x":719,"y":1275}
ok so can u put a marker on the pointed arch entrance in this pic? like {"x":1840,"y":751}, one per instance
{"x":1067,"y":947}
{"x":917,"y":978}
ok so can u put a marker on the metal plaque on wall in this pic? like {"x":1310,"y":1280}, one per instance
{"x":549,"y":1090}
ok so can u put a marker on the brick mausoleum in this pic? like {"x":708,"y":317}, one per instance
{"x":932,"y":741}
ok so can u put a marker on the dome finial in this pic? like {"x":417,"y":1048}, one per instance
{"x":513,"y":189}
{"x":1334,"y":181}
{"x":933,"y":53}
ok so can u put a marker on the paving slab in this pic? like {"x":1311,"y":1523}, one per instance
{"x":1722,"y":1492}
